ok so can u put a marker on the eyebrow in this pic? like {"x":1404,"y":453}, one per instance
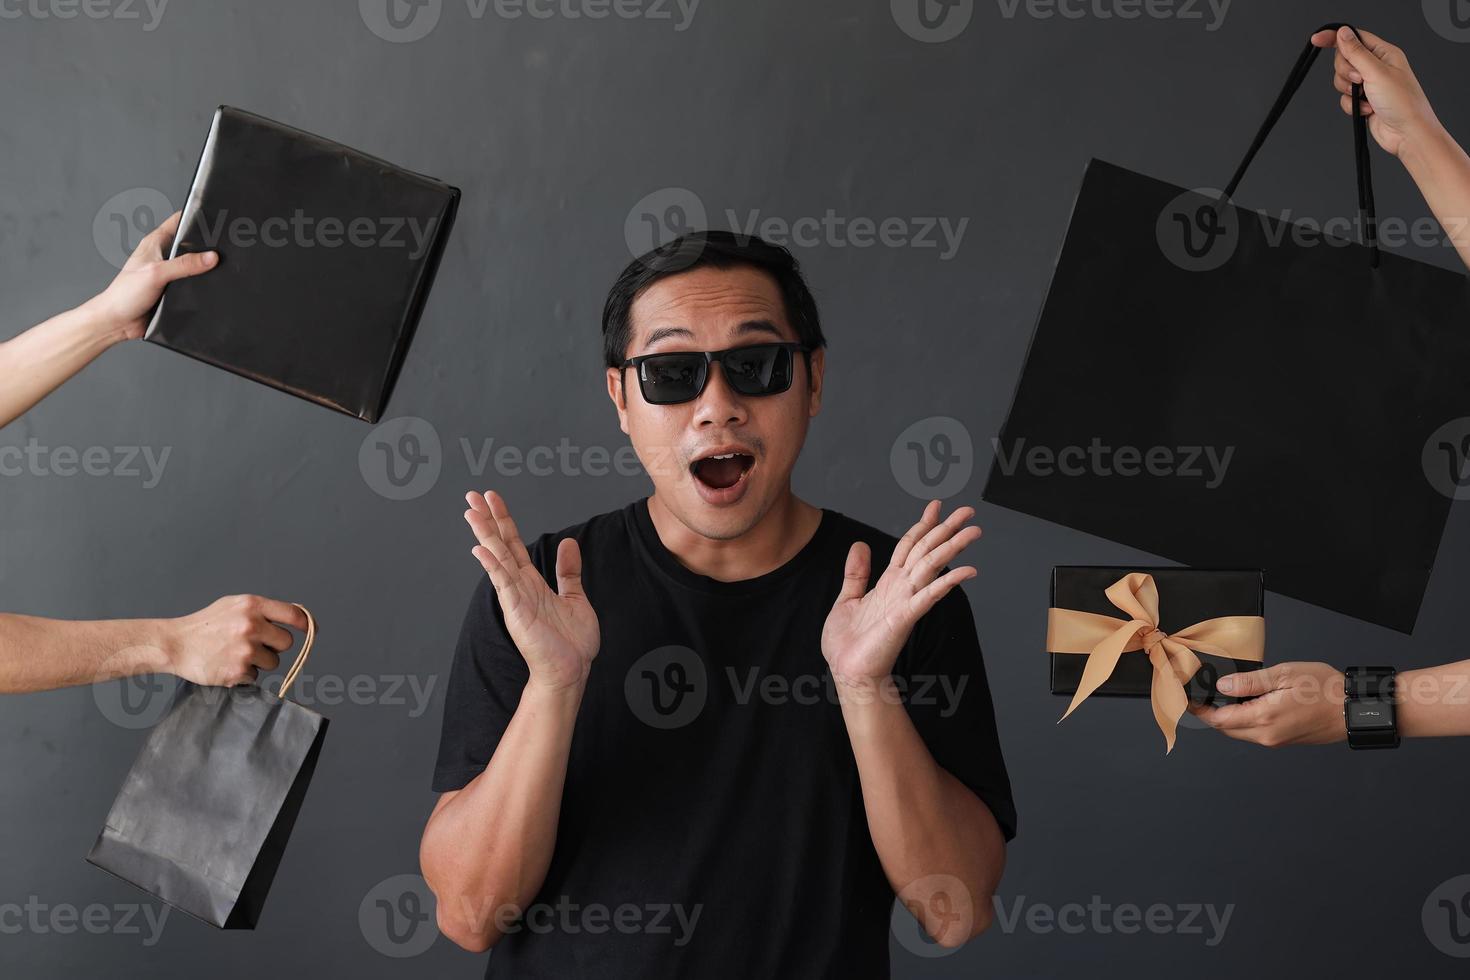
{"x":745,"y":329}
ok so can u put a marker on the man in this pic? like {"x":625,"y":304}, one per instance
{"x":718,"y":748}
{"x":226,"y":643}
{"x":1302,"y":703}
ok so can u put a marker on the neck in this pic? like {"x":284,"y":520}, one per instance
{"x":771,"y":542}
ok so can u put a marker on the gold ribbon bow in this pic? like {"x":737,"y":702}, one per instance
{"x":1105,"y":638}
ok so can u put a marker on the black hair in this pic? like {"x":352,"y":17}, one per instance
{"x":720,"y":250}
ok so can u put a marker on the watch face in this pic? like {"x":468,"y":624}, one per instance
{"x":1367,"y":715}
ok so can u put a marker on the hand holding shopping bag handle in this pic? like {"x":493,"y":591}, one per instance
{"x":305,"y":651}
{"x":1294,"y":80}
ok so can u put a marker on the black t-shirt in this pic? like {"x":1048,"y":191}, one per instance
{"x":712,"y":823}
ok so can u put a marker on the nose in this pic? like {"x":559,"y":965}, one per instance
{"x":718,"y":404}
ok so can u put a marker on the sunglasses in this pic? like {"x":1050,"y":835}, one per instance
{"x":680,"y":376}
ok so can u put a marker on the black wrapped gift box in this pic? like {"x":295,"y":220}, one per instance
{"x":327,"y":256}
{"x":1186,"y":596}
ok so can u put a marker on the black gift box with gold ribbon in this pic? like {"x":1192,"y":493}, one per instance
{"x":1163,"y":633}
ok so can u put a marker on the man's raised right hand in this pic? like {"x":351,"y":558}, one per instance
{"x":556,"y":632}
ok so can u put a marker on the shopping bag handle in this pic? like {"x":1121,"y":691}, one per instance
{"x":305,"y":651}
{"x":1362,"y":162}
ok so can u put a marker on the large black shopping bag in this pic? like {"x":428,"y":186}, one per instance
{"x":203,"y":818}
{"x":1216,"y":387}
{"x":326,"y":253}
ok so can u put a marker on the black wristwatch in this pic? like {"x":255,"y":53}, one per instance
{"x":1369,"y":708}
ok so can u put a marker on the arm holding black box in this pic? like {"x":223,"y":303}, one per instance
{"x":223,"y":644}
{"x":45,"y":357}
{"x":1303,"y":704}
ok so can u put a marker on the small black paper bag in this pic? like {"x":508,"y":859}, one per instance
{"x":203,"y":818}
{"x":1206,"y":385}
{"x":1167,"y":634}
{"x":327,"y":256}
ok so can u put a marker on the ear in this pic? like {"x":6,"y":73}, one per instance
{"x":617,"y":394}
{"x":818,"y":361}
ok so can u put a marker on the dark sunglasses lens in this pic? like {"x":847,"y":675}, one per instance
{"x":761,"y":370}
{"x":670,"y":378}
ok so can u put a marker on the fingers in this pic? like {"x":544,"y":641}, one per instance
{"x":1253,"y":683}
{"x":264,"y":659}
{"x":1364,"y":108}
{"x":943,"y":554}
{"x":926,"y":597}
{"x":1231,"y":717}
{"x":486,"y":530}
{"x":285,"y":613}
{"x":157,"y":241}
{"x":1380,"y":48}
{"x":184,"y":266}
{"x":508,"y":532}
{"x":170,"y":226}
{"x":568,"y":568}
{"x":1358,"y":54}
{"x":491,"y":521}
{"x":915,"y":533}
{"x":939,"y":533}
{"x":855,"y":572}
{"x":273,"y":637}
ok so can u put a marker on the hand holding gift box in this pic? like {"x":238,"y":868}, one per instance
{"x":1090,"y":645}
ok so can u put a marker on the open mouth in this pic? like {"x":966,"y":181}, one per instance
{"x":723,"y":470}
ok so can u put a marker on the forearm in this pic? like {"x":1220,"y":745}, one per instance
{"x":487,"y":848}
{"x":1441,"y":170}
{"x":38,"y":361}
{"x":927,"y":827}
{"x":40,"y":654}
{"x":1434,"y":701}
